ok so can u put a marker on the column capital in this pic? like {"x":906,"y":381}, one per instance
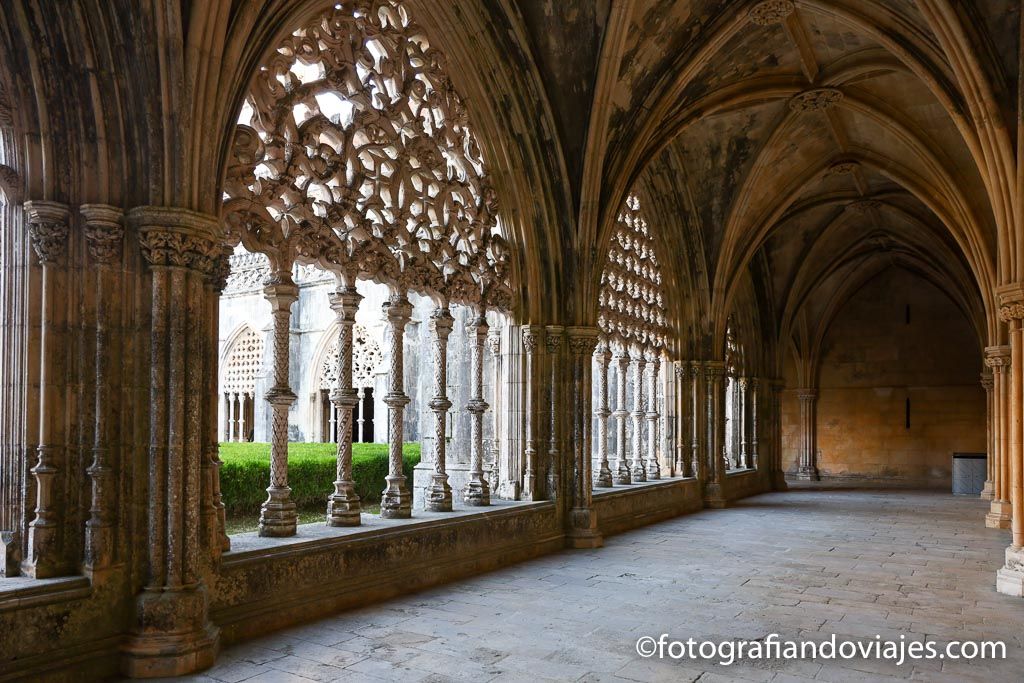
{"x":695,"y":369}
{"x":494,"y":342}
{"x":48,"y":229}
{"x":397,"y":309}
{"x":104,"y":231}
{"x":345,"y":302}
{"x":281,"y":292}
{"x":478,"y":327}
{"x":1011,"y":301}
{"x":533,"y":336}
{"x":171,"y":236}
{"x":441,"y":322}
{"x":553,"y":338}
{"x":987,"y":380}
{"x":714,"y":368}
{"x":806,"y":394}
{"x":742,"y":382}
{"x":582,"y":340}
{"x":997,"y":356}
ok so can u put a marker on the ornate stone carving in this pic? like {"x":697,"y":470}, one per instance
{"x":770,"y":12}
{"x":438,"y":495}
{"x":997,"y":357}
{"x":1011,"y":302}
{"x":104,"y":233}
{"x":477,"y":491}
{"x":244,"y":363}
{"x":366,"y":360}
{"x":638,"y":468}
{"x":396,"y":500}
{"x":602,"y":355}
{"x":48,"y":230}
{"x":818,"y":99}
{"x":354,"y":151}
{"x":630,"y":303}
{"x":841,"y":168}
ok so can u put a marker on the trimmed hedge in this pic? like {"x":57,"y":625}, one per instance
{"x":245,"y":474}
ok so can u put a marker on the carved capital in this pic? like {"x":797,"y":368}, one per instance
{"x":770,"y":12}
{"x":806,"y":394}
{"x":178,"y":237}
{"x":103,"y":232}
{"x":441,"y":322}
{"x":1011,"y":302}
{"x":997,"y":356}
{"x":397,"y":309}
{"x":478,"y":328}
{"x":494,"y":342}
{"x":532,"y":336}
{"x":582,"y":340}
{"x":714,"y":369}
{"x":221,"y":269}
{"x":553,"y":338}
{"x":987,"y":381}
{"x":816,"y":99}
{"x":345,"y":302}
{"x":48,"y":230}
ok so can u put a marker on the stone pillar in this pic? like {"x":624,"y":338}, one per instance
{"x":438,"y":494}
{"x":988,"y":383}
{"x":396,"y":499}
{"x":582,"y":531}
{"x":46,"y":554}
{"x":172,"y":634}
{"x":755,"y":421}
{"x":477,"y":491}
{"x":243,"y":405}
{"x":777,"y":474}
{"x":638,"y":469}
{"x":344,"y":507}
{"x":998,"y":359}
{"x":714,"y":378}
{"x":697,"y":461}
{"x":681,"y":466}
{"x":214,"y":512}
{"x":653,"y":360}
{"x":497,"y":408}
{"x":232,"y":417}
{"x":622,"y":471}
{"x":602,"y":355}
{"x":808,"y":466}
{"x":277,"y":515}
{"x":742,"y":386}
{"x":222,"y":417}
{"x":1010,"y":579}
{"x":105,"y":236}
{"x":532,"y":334}
{"x":553,"y":345}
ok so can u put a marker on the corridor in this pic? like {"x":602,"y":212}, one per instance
{"x":804,"y":564}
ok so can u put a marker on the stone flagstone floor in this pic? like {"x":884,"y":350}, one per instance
{"x":804,"y":564}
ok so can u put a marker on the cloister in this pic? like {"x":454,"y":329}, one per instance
{"x":607,"y":263}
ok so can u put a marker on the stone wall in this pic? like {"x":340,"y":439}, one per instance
{"x":877,"y":355}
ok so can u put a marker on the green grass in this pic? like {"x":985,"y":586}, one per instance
{"x":245,"y":475}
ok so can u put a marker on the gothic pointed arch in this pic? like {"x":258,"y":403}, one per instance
{"x":243,"y":362}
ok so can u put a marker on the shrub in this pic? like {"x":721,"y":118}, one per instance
{"x":245,"y":474}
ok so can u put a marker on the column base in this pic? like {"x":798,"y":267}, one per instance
{"x":622,"y":476}
{"x":396,"y":500}
{"x":10,"y":554}
{"x":604,"y":478}
{"x":438,"y":495}
{"x":344,"y":507}
{"x":807,"y":474}
{"x":714,"y":498}
{"x":583,"y":532}
{"x":174,"y":638}
{"x":639,"y":473}
{"x":986,"y":492}
{"x":278,"y":516}
{"x":998,"y":516}
{"x":477,"y":493}
{"x":654,"y":472}
{"x":510,"y":491}
{"x":1010,"y":578}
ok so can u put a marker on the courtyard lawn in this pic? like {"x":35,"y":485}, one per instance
{"x":245,"y":476}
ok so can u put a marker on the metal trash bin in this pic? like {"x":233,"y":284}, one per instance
{"x":969,"y":471}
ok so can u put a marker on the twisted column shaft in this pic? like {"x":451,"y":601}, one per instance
{"x":344,"y":506}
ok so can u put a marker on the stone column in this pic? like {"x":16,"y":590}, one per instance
{"x":438,"y":494}
{"x":622,"y":470}
{"x":45,"y":552}
{"x":742,"y":386}
{"x":396,"y":499}
{"x":714,"y":376}
{"x":532,"y":334}
{"x":277,"y":515}
{"x":988,"y":383}
{"x":344,"y":507}
{"x":222,"y":417}
{"x":1010,"y":579}
{"x":172,"y":634}
{"x":998,"y":359}
{"x":232,"y":418}
{"x":638,"y":469}
{"x":214,"y":511}
{"x":582,"y":531}
{"x":477,"y":491}
{"x":497,"y":408}
{"x":653,"y":361}
{"x":697,"y":461}
{"x":684,"y":463}
{"x":752,"y":451}
{"x":553,"y":345}
{"x":808,"y":466}
{"x":777,"y":474}
{"x":602,"y":355}
{"x":105,"y":236}
{"x":243,"y":404}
